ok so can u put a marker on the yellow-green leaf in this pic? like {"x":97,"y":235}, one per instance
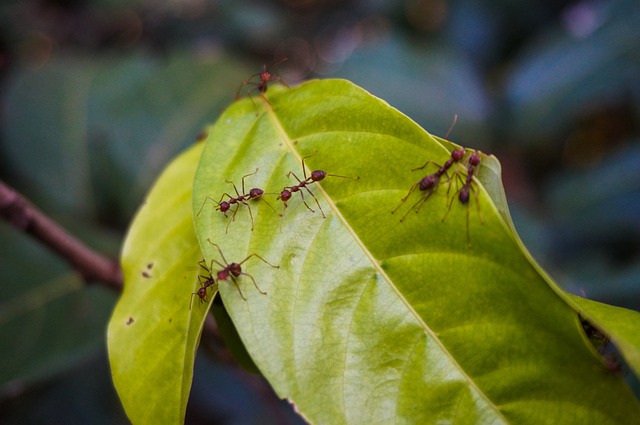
{"x":440,"y":317}
{"x":153,"y":334}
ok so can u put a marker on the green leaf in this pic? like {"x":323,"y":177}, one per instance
{"x":441,"y":317}
{"x":153,"y":333}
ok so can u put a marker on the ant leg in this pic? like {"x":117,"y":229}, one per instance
{"x":243,"y":177}
{"x":291,"y":173}
{"x":253,"y":101}
{"x":265,"y":98}
{"x":254,"y":284}
{"x":270,"y":206}
{"x":203,"y":264}
{"x":233,"y":218}
{"x":452,"y":198}
{"x":476,"y":196}
{"x":235,"y":282}
{"x":235,"y":189}
{"x":250,"y":214}
{"x":416,"y":206}
{"x":280,"y":80}
{"x":304,"y":169}
{"x":226,"y":263}
{"x":261,"y":258}
{"x":315,"y":199}
{"x":244,"y":83}
{"x":250,"y":276}
{"x":403,"y":200}
{"x":305,"y":202}
{"x":424,"y":165}
{"x":475,"y":192}
{"x":458,"y":178}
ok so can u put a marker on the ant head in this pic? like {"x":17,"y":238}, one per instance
{"x":318,"y":175}
{"x":202,"y":293}
{"x":458,"y":154}
{"x":427,"y":183}
{"x":235,"y":269}
{"x":285,"y":195}
{"x":474,"y":159}
{"x":255,"y":193}
{"x":224,"y":206}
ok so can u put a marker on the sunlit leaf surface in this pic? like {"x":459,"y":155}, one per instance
{"x":153,"y":333}
{"x":353,"y":313}
{"x":373,"y":320}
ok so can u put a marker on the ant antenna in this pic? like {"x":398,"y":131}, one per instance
{"x":264,"y":78}
{"x":455,"y":120}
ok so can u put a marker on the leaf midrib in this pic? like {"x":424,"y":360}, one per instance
{"x":288,"y":143}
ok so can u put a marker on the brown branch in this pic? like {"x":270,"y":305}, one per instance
{"x":23,"y":215}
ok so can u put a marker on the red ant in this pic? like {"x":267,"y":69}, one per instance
{"x":315,"y":176}
{"x":240,"y":198}
{"x":265,"y":78}
{"x":429,"y":183}
{"x":205,"y":281}
{"x":234,"y":270}
{"x":465,"y":191}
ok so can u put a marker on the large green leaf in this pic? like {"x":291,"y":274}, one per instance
{"x":153,"y":333}
{"x":441,"y":317}
{"x":373,"y":320}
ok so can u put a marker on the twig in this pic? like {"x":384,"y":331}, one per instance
{"x":23,"y":215}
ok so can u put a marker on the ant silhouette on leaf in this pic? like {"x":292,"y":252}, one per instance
{"x":205,"y":280}
{"x":429,"y":184}
{"x":314,"y":176}
{"x":229,"y":271}
{"x":241,"y":198}
{"x":262,"y":83}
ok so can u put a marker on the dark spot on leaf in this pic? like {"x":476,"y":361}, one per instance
{"x":202,"y":136}
{"x":130,"y":321}
{"x":146,"y":273}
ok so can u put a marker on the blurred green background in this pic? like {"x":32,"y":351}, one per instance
{"x":98,"y":95}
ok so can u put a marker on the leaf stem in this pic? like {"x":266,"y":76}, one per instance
{"x":23,"y":215}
